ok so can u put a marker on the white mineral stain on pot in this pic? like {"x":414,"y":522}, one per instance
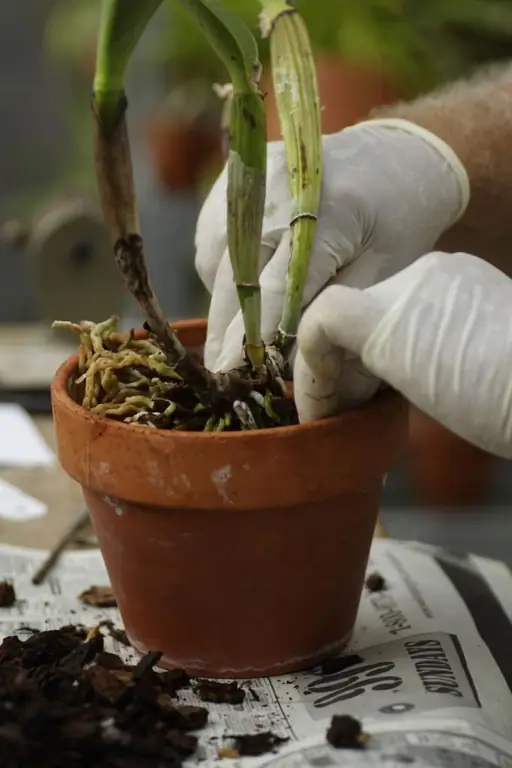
{"x":185,"y":480}
{"x":115,"y":504}
{"x":154,"y":474}
{"x":220,"y":477}
{"x":104,"y":468}
{"x":158,"y":480}
{"x":162,"y":543}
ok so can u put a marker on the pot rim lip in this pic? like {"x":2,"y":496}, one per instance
{"x":59,"y":390}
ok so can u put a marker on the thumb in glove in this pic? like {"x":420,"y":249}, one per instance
{"x":439,"y":332}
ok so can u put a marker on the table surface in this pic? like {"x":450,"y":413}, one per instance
{"x":485,"y":531}
{"x":30,"y":354}
{"x":52,"y":486}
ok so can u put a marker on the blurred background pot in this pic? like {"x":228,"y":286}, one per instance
{"x":348,"y":92}
{"x":184,"y":136}
{"x":180,"y":152}
{"x":445,"y":470}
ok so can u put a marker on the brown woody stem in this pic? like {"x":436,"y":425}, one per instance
{"x":117,"y":194}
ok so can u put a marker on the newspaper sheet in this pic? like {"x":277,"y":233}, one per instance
{"x":433,"y":687}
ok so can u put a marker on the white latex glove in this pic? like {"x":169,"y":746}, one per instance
{"x":440,"y":332}
{"x":390,"y":189}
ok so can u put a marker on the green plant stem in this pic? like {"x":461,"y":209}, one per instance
{"x":121,"y":27}
{"x":246,"y":200}
{"x":298,"y":104}
{"x":247,"y":154}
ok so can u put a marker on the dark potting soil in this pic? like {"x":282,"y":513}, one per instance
{"x":176,"y":679}
{"x":252,"y":745}
{"x":67,"y":703}
{"x":339,"y":663}
{"x":345,"y":732}
{"x":375,"y":582}
{"x":115,"y":633}
{"x":219,"y":693}
{"x":99,"y":597}
{"x":7,"y":594}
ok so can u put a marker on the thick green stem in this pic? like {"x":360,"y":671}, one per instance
{"x":298,"y":103}
{"x":246,"y":160}
{"x":246,"y":201}
{"x":121,"y":27}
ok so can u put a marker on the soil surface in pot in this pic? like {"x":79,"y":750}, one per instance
{"x":126,"y":377}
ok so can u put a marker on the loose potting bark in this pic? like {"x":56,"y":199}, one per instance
{"x":375,"y":582}
{"x":254,"y":695}
{"x":252,"y":744}
{"x":174,"y":680}
{"x":219,"y":693}
{"x":67,"y":703}
{"x":7,"y":594}
{"x":99,"y":597}
{"x":345,"y":732}
{"x":115,"y":632}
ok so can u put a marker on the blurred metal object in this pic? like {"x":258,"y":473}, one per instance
{"x":74,"y":271}
{"x":14,"y":234}
{"x":18,"y":302}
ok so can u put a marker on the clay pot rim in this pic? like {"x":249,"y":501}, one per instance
{"x":60,"y":391}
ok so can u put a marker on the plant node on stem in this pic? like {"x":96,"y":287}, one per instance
{"x":298,"y":104}
{"x":244,"y":116}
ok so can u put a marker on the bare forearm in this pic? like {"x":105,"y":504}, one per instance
{"x":475,"y":118}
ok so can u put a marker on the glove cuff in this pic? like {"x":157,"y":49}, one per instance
{"x":436,"y":143}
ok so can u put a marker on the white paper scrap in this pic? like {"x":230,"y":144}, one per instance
{"x":21,"y":444}
{"x":17,"y":505}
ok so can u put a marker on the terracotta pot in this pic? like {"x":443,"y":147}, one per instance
{"x":236,"y":554}
{"x":180,"y":152}
{"x":446,"y":471}
{"x":348,"y":92}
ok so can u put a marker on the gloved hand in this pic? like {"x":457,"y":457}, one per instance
{"x":390,"y":189}
{"x":440,"y":332}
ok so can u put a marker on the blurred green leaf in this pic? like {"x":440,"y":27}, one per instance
{"x":83,"y":17}
{"x":419,"y":41}
{"x":229,"y":37}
